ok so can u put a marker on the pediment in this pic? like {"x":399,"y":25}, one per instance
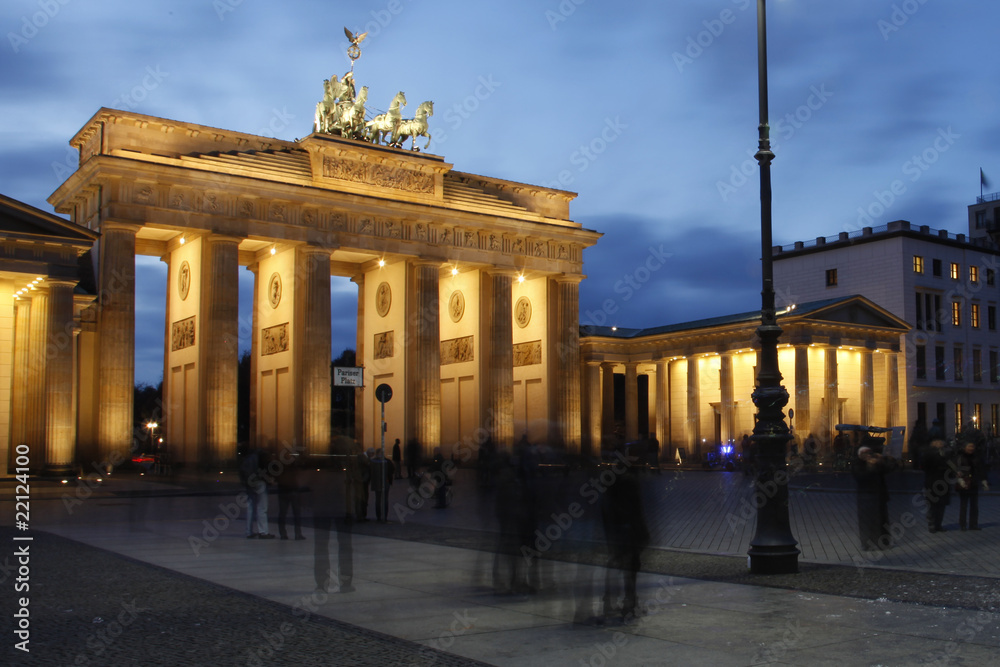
{"x":22,"y":221}
{"x":857,"y":311}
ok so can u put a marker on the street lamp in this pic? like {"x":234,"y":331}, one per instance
{"x":151,"y":425}
{"x":772,"y":549}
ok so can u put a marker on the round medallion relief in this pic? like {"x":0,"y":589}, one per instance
{"x":383,"y":299}
{"x":456,"y":305}
{"x":184,"y":280}
{"x":522,"y":312}
{"x":274,"y":290}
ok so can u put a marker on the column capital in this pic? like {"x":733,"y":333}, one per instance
{"x":568,"y":278}
{"x":117,"y":226}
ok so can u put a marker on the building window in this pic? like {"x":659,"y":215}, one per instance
{"x":928,"y":311}
{"x":941,"y":413}
{"x":991,"y":317}
{"x":920,"y":310}
{"x":936,"y":267}
{"x":959,"y":419}
{"x":991,"y":277}
{"x":977,"y":414}
{"x":956,"y":314}
{"x":918,"y":264}
{"x":977,"y":365}
{"x":994,"y":417}
{"x":939,"y":365}
{"x":954,"y":271}
{"x":921,"y":362}
{"x":974,"y":315}
{"x":994,"y":371}
{"x":831,"y":277}
{"x":981,"y":219}
{"x":973,"y":274}
{"x":959,"y":363}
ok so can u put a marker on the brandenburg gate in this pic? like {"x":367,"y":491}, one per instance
{"x":467,"y":288}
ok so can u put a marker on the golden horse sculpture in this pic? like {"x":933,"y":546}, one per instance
{"x":386,"y":124}
{"x":411,"y":128}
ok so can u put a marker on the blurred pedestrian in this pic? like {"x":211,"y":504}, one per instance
{"x":252,"y":466}
{"x":381,"y":479}
{"x":870,"y":469}
{"x":971,"y":476}
{"x":289,"y":496}
{"x":413,"y":462}
{"x":627,"y":535}
{"x":937,"y":489}
{"x":397,"y":460}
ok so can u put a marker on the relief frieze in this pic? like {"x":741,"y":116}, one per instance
{"x":378,"y":175}
{"x":457,"y":350}
{"x":182,"y":334}
{"x":274,"y":339}
{"x":383,"y":345}
{"x":527,"y":354}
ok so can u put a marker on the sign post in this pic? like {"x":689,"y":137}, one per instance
{"x":383,"y":393}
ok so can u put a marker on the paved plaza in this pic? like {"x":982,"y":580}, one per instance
{"x":154,"y":571}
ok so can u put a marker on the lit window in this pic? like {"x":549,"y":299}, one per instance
{"x":973,"y":274}
{"x":956,"y":314}
{"x":918,"y":264}
{"x":974,"y":316}
{"x":954,"y":271}
{"x":831,"y":277}
{"x":958,"y":416}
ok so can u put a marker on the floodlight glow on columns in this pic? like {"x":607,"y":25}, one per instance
{"x":520,"y":278}
{"x":381,"y":263}
{"x":182,"y":240}
{"x":273,"y":251}
{"x":454,"y":270}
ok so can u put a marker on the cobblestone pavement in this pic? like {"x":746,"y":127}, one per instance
{"x":175,"y":583}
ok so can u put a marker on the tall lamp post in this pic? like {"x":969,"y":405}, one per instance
{"x":772,"y":549}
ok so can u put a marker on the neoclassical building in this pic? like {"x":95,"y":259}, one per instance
{"x":467,"y":289}
{"x":690,"y":384}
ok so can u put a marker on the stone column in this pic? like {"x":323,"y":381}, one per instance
{"x":253,"y":427}
{"x":115,"y":342}
{"x":726,"y":396}
{"x":219,"y":346}
{"x":867,"y":388}
{"x":312,"y":295}
{"x":693,"y":423}
{"x":60,"y":430}
{"x":663,"y":407}
{"x":500,"y":364}
{"x":803,"y":426}
{"x":592,"y":408}
{"x":831,"y":396}
{"x":631,"y":401}
{"x":427,"y":350}
{"x":19,"y":382}
{"x":36,"y":399}
{"x":892,"y":389}
{"x":607,"y":403}
{"x":566,"y":371}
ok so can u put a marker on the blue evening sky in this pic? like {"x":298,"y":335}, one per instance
{"x":647,"y":109}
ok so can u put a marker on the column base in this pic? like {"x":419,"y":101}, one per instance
{"x":774,"y":560}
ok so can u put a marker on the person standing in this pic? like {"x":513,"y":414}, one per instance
{"x":937,"y":490}
{"x":288,"y":497}
{"x":397,"y":460}
{"x":971,"y":476}
{"x":627,"y":535}
{"x":870,"y":469}
{"x":381,"y":479}
{"x":252,"y":466}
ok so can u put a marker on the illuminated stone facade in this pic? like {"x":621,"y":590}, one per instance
{"x":410,"y":231}
{"x":690,"y":384}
